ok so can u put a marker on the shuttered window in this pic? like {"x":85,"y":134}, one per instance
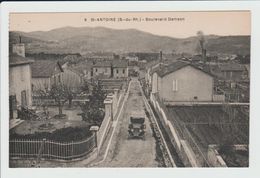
{"x":175,"y":85}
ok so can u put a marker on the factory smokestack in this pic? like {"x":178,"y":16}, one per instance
{"x":160,"y":58}
{"x":201,"y":38}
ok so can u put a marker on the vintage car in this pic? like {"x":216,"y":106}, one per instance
{"x":136,"y":127}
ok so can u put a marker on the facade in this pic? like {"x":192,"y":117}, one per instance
{"x":120,"y":69}
{"x":232,"y":71}
{"x":20,"y":93}
{"x":229,"y":71}
{"x":102,"y":69}
{"x":182,"y":82}
{"x":110,"y":69}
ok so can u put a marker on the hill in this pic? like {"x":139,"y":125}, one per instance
{"x":100,"y":39}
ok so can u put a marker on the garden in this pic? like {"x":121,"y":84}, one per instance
{"x":61,"y":116}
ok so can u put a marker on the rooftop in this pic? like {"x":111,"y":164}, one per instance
{"x":119,"y":63}
{"x":102,"y":63}
{"x":43,"y":68}
{"x":231,"y":67}
{"x":109,"y":63}
{"x":167,"y":69}
{"x":15,"y":60}
{"x":82,"y":66}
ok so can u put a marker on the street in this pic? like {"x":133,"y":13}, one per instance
{"x":124,"y":152}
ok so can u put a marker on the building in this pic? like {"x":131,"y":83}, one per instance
{"x":102,"y":69}
{"x":131,"y":58}
{"x":181,"y":81}
{"x":232,"y":71}
{"x":20,"y":94}
{"x":120,"y":69}
{"x":43,"y":74}
{"x":110,"y":69}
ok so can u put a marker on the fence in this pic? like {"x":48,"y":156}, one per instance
{"x":51,"y":102}
{"x":30,"y":148}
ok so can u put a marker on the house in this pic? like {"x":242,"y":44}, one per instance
{"x":20,"y":93}
{"x":120,"y":69}
{"x":231,"y":71}
{"x":42,"y":73}
{"x":151,"y":68}
{"x":110,"y":69}
{"x":131,"y":58}
{"x":182,"y":81}
{"x":133,"y":66}
{"x":102,"y":69}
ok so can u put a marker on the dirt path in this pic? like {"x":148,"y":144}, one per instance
{"x":125,"y":152}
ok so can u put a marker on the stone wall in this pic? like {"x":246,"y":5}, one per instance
{"x":111,"y":109}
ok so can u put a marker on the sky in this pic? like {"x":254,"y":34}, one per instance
{"x":174,"y":24}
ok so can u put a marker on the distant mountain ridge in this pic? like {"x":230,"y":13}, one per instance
{"x":100,"y":39}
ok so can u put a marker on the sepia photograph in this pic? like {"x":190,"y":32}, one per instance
{"x":129,"y":89}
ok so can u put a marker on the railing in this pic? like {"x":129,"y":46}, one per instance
{"x":29,"y":148}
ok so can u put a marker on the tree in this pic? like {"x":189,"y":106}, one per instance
{"x":85,"y":88}
{"x":93,"y":110}
{"x":60,"y":93}
{"x":98,"y":95}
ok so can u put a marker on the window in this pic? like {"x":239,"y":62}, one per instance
{"x":175,"y":85}
{"x":117,"y":71}
{"x":96,"y":70}
{"x":123,"y":71}
{"x":59,"y":79}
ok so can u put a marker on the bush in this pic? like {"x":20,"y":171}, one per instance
{"x":64,"y":135}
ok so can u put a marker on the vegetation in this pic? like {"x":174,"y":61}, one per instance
{"x":47,"y":56}
{"x":93,"y":110}
{"x":64,"y":134}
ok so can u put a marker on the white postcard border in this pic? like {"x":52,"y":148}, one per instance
{"x":116,"y":6}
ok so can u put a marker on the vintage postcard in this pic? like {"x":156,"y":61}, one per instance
{"x":144,"y":89}
{"x":156,"y":89}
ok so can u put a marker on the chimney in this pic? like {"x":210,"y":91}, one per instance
{"x":19,"y":48}
{"x":160,"y":56}
{"x":204,"y":55}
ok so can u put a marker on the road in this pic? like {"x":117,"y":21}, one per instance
{"x":124,"y":152}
